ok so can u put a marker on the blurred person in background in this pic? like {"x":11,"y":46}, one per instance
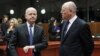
{"x":20,"y":21}
{"x":13,"y":23}
{"x":54,"y":29}
{"x":4,"y":24}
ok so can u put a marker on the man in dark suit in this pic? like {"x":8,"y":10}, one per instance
{"x":76,"y":37}
{"x":29,"y":35}
{"x":4,"y":24}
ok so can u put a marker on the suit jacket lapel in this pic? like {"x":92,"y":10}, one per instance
{"x":25,"y":29}
{"x":35,"y":32}
{"x":71,"y":29}
{"x":62,"y":31}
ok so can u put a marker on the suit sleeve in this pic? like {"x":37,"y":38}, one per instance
{"x":42,"y":43}
{"x":86,"y":39}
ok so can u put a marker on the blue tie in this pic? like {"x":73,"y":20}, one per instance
{"x":31,"y":35}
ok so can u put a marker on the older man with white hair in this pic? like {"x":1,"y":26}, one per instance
{"x":76,"y":38}
{"x":28,"y":36}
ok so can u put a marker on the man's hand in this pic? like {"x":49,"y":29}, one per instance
{"x":10,"y":29}
{"x":26,"y":48}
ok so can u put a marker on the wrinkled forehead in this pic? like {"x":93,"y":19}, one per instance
{"x":30,"y":10}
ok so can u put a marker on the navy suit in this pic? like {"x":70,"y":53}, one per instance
{"x":21,"y":35}
{"x":77,"y":41}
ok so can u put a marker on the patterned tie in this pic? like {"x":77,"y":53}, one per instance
{"x":31,"y":35}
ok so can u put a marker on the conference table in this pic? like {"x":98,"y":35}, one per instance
{"x":3,"y":50}
{"x":53,"y":49}
{"x":96,"y":51}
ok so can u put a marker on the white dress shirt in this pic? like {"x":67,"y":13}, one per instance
{"x":28,"y":25}
{"x":71,"y":22}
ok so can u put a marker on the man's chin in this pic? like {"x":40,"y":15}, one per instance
{"x":32,"y":21}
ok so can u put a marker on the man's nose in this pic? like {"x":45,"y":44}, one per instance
{"x":32,"y":15}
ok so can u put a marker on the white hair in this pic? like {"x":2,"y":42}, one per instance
{"x":70,"y":5}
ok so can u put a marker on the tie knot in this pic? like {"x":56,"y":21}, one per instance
{"x":30,"y":25}
{"x":66,"y":22}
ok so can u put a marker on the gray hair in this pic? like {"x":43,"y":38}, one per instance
{"x":70,"y":5}
{"x":30,"y":8}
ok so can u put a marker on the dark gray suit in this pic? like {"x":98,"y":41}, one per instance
{"x":21,"y":35}
{"x":77,"y":41}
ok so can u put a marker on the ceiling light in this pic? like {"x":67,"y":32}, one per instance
{"x":12,"y":11}
{"x":43,"y":11}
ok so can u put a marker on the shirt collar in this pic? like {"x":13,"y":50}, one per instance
{"x":73,"y":19}
{"x":29,"y":24}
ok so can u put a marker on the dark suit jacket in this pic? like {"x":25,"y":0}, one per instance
{"x":4,"y":28}
{"x":21,"y":35}
{"x":77,"y":41}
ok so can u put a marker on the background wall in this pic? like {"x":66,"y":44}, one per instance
{"x":87,"y":9}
